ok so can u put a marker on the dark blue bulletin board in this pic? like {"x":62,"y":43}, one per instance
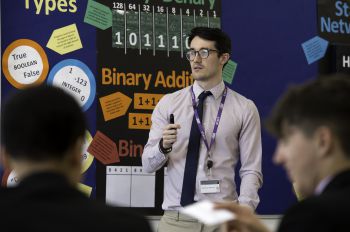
{"x":266,"y":39}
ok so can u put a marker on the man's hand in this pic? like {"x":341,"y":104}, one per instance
{"x":170,"y":135}
{"x":245,"y":220}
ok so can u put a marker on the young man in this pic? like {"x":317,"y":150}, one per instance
{"x":311,"y":122}
{"x":214,"y":127}
{"x":42,"y":132}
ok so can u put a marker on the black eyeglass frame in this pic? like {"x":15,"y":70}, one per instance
{"x":201,"y":55}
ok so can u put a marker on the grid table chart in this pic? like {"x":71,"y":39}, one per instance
{"x":157,"y":27}
{"x":129,"y":186}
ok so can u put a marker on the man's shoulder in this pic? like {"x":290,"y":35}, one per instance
{"x":177,"y":95}
{"x":71,"y":206}
{"x":324,"y":211}
{"x":237,"y":96}
{"x":240,"y":101}
{"x":322,"y":203}
{"x":180,"y":92}
{"x":8,"y":195}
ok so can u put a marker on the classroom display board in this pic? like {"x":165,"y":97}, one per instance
{"x":118,"y":58}
{"x":140,"y":61}
{"x":43,"y":43}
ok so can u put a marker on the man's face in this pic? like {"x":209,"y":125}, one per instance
{"x":208,"y":68}
{"x":297,"y":153}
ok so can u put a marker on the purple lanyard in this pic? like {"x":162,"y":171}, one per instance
{"x":218,"y":117}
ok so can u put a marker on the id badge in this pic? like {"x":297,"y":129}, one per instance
{"x":209,"y":186}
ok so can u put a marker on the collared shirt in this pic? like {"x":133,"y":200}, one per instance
{"x":238,"y":138}
{"x":322,"y":185}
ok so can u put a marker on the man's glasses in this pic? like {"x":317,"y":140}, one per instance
{"x":203,"y":53}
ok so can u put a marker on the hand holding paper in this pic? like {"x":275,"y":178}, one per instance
{"x":245,"y":218}
{"x":204,"y":211}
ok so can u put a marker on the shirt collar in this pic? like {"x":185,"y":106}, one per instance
{"x":322,"y":185}
{"x":217,"y":90}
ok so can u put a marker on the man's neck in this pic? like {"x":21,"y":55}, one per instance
{"x":27,"y":168}
{"x":209,"y":84}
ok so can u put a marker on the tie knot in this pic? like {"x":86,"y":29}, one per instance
{"x":203,"y":95}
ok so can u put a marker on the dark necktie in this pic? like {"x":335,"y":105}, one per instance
{"x":189,"y":181}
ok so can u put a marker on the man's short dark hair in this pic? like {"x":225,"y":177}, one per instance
{"x":41,"y":123}
{"x":321,"y":102}
{"x":221,"y":39}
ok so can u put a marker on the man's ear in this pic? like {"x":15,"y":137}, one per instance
{"x":324,"y":140}
{"x":224,"y":58}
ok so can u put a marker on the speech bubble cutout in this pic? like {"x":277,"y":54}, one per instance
{"x":5,"y":176}
{"x":104,"y":149}
{"x":315,"y":49}
{"x":114,"y":105}
{"x":85,"y":189}
{"x":12,"y":179}
{"x":65,"y":39}
{"x":75,"y":78}
{"x":25,"y":63}
{"x":87,"y":158}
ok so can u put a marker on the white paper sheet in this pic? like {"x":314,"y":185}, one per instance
{"x":204,"y":211}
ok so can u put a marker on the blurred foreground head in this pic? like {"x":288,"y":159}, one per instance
{"x":311,"y":122}
{"x":40,"y":126}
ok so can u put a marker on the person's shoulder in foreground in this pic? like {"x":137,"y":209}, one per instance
{"x":311,"y":123}
{"x":42,"y":135}
{"x":317,"y":129}
{"x":328,"y":211}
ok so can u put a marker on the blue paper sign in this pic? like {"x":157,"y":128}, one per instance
{"x":315,"y":49}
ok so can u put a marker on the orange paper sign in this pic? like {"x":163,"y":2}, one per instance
{"x":114,"y":105}
{"x":5,"y":176}
{"x":140,"y":121}
{"x":104,"y":149}
{"x":146,"y":101}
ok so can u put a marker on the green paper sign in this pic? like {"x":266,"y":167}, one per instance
{"x":98,"y":15}
{"x":229,"y":71}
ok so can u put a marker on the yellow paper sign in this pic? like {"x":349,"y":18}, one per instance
{"x":65,"y":40}
{"x":87,"y":158}
{"x":85,"y":189}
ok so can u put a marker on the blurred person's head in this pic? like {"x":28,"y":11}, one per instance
{"x":311,"y":122}
{"x":42,"y":129}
